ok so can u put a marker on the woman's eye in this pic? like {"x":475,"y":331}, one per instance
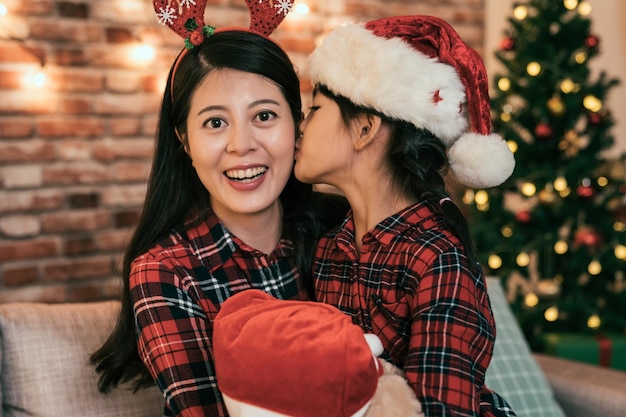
{"x":266,"y":115}
{"x":214,"y":123}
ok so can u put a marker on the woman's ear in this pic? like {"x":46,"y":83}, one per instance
{"x":182,"y":137}
{"x":367,"y":128}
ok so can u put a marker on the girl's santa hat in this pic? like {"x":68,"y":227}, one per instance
{"x":417,"y":69}
{"x":293,"y":358}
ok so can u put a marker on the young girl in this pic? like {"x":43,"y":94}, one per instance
{"x":385,"y":126}
{"x":223,"y":211}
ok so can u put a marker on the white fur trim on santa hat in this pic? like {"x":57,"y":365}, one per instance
{"x":481,"y":161}
{"x":392,"y":77}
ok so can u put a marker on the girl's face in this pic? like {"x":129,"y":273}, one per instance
{"x":324,"y":151}
{"x":240,"y":137}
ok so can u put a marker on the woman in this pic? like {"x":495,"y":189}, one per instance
{"x":223,"y":213}
{"x":385,"y":126}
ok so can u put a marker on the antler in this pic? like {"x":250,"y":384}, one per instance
{"x":266,"y":15}
{"x":186,"y":17}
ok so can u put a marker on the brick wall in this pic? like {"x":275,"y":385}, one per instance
{"x":75,"y":153}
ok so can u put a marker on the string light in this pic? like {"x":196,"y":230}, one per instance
{"x":529,"y":189}
{"x":3,"y":9}
{"x":561,"y":247}
{"x":533,"y":69}
{"x":594,"y":322}
{"x":301,"y":9}
{"x":584,"y":8}
{"x":504,"y":84}
{"x":531,"y":299}
{"x":520,"y":12}
{"x":594,"y":267}
{"x":494,"y":261}
{"x":551,"y":314}
{"x":592,"y":103}
{"x":570,"y":4}
{"x":512,"y":145}
{"x":620,"y":252}
{"x":523,"y":259}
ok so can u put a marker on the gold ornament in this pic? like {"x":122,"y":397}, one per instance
{"x":556,"y":106}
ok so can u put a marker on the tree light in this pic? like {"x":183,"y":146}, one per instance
{"x":594,"y":267}
{"x":529,"y":189}
{"x":504,"y":84}
{"x":533,"y":69}
{"x":551,"y":314}
{"x":520,"y":12}
{"x":567,"y":86}
{"x":594,"y":322}
{"x":584,"y":8}
{"x":481,"y":197}
{"x":561,"y":247}
{"x":531,"y":299}
{"x":592,"y":103}
{"x":620,"y":252}
{"x":523,"y":259}
{"x":570,"y":4}
{"x":560,"y":184}
{"x":494,"y":261}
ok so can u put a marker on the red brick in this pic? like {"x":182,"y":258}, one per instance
{"x":73,"y":10}
{"x":77,"y":269}
{"x":70,"y":31}
{"x":29,"y":249}
{"x":124,"y":195}
{"x":27,"y":103}
{"x":126,"y":219}
{"x":132,"y":171}
{"x":82,"y":200}
{"x":75,"y":106}
{"x":124,"y":126}
{"x":73,"y":150}
{"x":10,"y":80}
{"x":113,"y":240}
{"x":16,"y":276}
{"x":27,"y":151}
{"x":23,"y":201}
{"x":77,"y":174}
{"x":118,"y":35}
{"x":69,"y":57}
{"x":69,"y":127}
{"x":75,"y":221}
{"x":12,"y":52}
{"x":80,"y":246}
{"x":20,"y":226}
{"x":85,"y":293}
{"x":40,"y":7}
{"x":43,"y":294}
{"x":15,"y":128}
{"x":80,"y":82}
{"x":106,"y":150}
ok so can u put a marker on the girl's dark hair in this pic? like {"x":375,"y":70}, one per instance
{"x":174,"y":190}
{"x":418,"y":162}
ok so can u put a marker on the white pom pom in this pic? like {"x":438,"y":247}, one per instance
{"x":376,"y":346}
{"x":481,"y":161}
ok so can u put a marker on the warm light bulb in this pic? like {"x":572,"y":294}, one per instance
{"x":506,"y":231}
{"x":531,"y":299}
{"x":39,"y":79}
{"x":602,"y":181}
{"x":594,"y":322}
{"x":620,"y":252}
{"x":512,"y":145}
{"x":505,"y":117}
{"x":504,"y":84}
{"x":592,"y":103}
{"x":551,"y":314}
{"x":560,"y":184}
{"x":481,"y":197}
{"x":3,"y":10}
{"x":584,"y":8}
{"x":567,"y":86}
{"x":570,"y":4}
{"x":533,"y":69}
{"x":301,"y":9}
{"x":520,"y":12}
{"x":523,"y":259}
{"x":561,"y":247}
{"x":580,"y":57}
{"x":141,"y":53}
{"x":529,"y":189}
{"x":594,"y":268}
{"x":494,"y":261}
{"x":468,"y":197}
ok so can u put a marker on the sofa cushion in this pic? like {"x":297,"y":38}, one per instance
{"x":45,"y":367}
{"x":513,"y":372}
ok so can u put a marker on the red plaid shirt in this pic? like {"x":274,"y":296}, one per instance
{"x":177,"y":288}
{"x":412,"y":286}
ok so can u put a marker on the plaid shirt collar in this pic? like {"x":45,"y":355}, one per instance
{"x":391,"y":228}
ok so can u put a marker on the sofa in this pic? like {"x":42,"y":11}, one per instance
{"x":44,"y":369}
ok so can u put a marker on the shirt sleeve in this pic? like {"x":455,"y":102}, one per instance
{"x":174,"y":337}
{"x":452,"y":336}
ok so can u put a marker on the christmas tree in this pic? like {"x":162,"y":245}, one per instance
{"x":556,"y":230}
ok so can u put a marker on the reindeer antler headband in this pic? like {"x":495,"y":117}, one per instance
{"x":186,"y":19}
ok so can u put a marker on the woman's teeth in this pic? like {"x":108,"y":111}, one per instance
{"x":245,"y":174}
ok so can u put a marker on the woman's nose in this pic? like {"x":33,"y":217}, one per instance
{"x":241,"y":140}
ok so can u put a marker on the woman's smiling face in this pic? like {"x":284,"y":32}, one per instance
{"x":241,"y":138}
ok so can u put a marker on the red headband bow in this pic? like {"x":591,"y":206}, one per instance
{"x":186,"y":17}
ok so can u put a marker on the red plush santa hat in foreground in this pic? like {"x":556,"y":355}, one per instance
{"x":294,"y":358}
{"x":417,"y":69}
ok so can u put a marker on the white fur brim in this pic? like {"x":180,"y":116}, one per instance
{"x":389,"y":75}
{"x":481,"y":161}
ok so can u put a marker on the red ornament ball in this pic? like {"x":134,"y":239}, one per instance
{"x":592,"y":42}
{"x":587,"y":237}
{"x":585,"y":191}
{"x":595,"y":118}
{"x":523,"y":216}
{"x":507,"y":43}
{"x":543,"y":131}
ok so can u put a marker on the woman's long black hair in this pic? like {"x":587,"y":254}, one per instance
{"x":418,"y":163}
{"x":174,"y":190}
